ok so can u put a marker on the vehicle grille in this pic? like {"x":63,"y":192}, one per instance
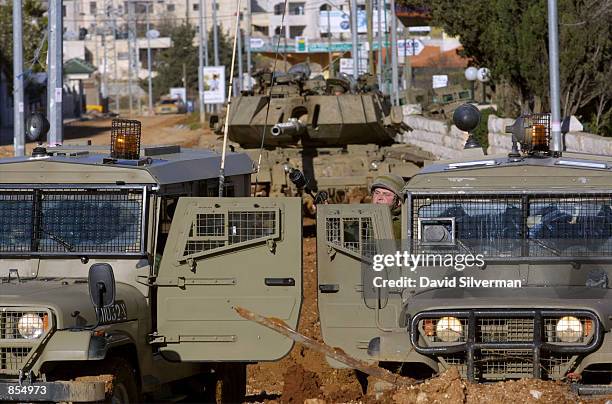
{"x":505,"y":364}
{"x":491,"y":344}
{"x":14,"y":349}
{"x":504,"y":329}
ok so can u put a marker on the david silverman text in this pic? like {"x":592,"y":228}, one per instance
{"x":462,"y":282}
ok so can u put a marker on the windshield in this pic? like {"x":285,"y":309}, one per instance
{"x":92,"y":221}
{"x":514,"y":226}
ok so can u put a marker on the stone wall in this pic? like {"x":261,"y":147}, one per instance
{"x":434,"y":136}
{"x":446,"y":141}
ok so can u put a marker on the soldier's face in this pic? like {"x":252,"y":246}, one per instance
{"x":382,"y":196}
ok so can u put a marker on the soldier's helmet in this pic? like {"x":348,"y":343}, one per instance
{"x":391,"y":182}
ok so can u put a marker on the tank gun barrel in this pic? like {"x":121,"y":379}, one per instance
{"x":292,"y":127}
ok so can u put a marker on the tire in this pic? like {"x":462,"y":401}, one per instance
{"x":229,"y":386}
{"x":124,"y":389}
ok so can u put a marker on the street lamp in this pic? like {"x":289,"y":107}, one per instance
{"x":471,"y":75}
{"x":483,"y":76}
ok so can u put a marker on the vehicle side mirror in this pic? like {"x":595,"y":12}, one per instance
{"x":102,"y":286}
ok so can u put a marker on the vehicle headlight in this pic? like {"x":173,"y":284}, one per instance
{"x":449,"y":329}
{"x":569,"y":329}
{"x":30,"y":326}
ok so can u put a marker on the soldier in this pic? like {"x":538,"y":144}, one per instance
{"x":386,"y":189}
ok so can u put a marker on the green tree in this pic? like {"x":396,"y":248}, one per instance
{"x":34,"y":27}
{"x":171,"y":61}
{"x":511,"y":38}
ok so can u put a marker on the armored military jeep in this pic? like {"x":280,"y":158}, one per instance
{"x":124,"y":267}
{"x":521,"y":289}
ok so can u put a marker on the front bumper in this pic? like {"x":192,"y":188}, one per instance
{"x":473,"y":343}
{"x":68,"y":391}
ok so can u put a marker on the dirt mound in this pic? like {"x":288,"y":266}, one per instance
{"x":300,"y":385}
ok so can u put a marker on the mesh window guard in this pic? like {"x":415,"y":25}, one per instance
{"x":92,"y":221}
{"x":513,"y":225}
{"x":213,"y":231}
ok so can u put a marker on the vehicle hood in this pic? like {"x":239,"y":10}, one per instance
{"x":597,"y":300}
{"x":66,"y":297}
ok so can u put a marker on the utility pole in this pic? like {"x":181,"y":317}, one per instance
{"x":394,"y":70}
{"x":104,"y":67}
{"x":286,"y":36}
{"x":55,"y":79}
{"x":206,"y":107}
{"x":149,"y":61}
{"x":247,"y":43}
{"x":370,"y":16}
{"x":386,"y":58}
{"x":201,"y":61}
{"x":131,"y":63}
{"x":215,"y":32}
{"x":239,"y":45}
{"x":354,"y":34}
{"x":116,"y":71}
{"x":215,"y":37}
{"x":18,"y":107}
{"x":407,"y":63}
{"x":553,"y":68}
{"x":380,"y":45}
{"x":329,"y":42}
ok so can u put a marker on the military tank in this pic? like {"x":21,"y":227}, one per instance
{"x":340,"y":132}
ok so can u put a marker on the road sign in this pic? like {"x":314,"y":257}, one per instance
{"x":346,"y":66}
{"x":152,"y":34}
{"x":257,"y":43}
{"x":409,"y":47}
{"x":301,"y":44}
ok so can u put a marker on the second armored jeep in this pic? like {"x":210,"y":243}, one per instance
{"x":502,"y":271}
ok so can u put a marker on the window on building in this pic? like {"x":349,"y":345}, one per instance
{"x":296,"y":30}
{"x":278,"y":8}
{"x":63,"y":11}
{"x":325,"y":7}
{"x":262,"y":29}
{"x":93,"y":7}
{"x":296,"y":8}
{"x":196,"y":7}
{"x":170,"y":8}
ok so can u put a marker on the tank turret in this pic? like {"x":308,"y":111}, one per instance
{"x":340,"y":132}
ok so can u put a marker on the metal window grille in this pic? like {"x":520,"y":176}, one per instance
{"x":512,"y":225}
{"x":211,"y":231}
{"x":352,"y":233}
{"x":332,"y":230}
{"x":106,"y":221}
{"x":125,"y":139}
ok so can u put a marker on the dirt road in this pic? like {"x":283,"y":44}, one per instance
{"x":165,"y":129}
